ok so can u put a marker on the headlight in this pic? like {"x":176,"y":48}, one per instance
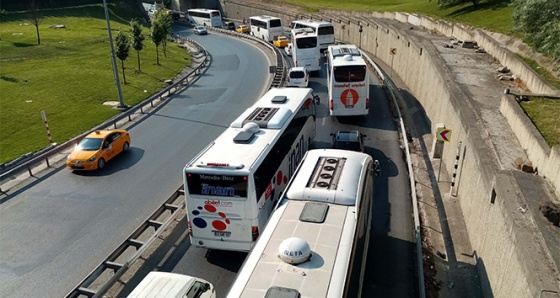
{"x":92,"y":158}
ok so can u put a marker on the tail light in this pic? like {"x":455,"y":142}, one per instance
{"x":331,"y":104}
{"x":297,"y":63}
{"x":255,"y":232}
{"x":367,"y":103}
{"x":319,"y":62}
{"x":189,"y":228}
{"x":288,"y":78}
{"x":305,"y":79}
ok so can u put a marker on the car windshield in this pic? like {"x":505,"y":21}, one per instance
{"x":90,"y":144}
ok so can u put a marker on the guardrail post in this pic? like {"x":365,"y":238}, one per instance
{"x":29,"y":170}
{"x":48,"y":164}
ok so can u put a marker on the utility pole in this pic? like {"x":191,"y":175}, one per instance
{"x":114,"y":59}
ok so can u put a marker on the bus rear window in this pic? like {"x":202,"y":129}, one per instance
{"x":306,"y":42}
{"x":326,"y":30}
{"x":215,"y":14}
{"x":355,"y":73}
{"x":217,"y":185}
{"x":275,"y":23}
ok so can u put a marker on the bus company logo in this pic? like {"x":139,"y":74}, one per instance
{"x":218,"y":224}
{"x":295,"y":157}
{"x":349,"y":97}
{"x":218,"y":203}
{"x":342,"y":85}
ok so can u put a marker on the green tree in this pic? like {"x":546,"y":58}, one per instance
{"x":539,"y":20}
{"x":35,"y":17}
{"x":137,"y":38}
{"x":123,"y":49}
{"x":165,"y":20}
{"x":159,"y":31}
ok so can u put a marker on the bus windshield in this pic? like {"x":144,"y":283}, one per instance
{"x":306,"y":42}
{"x":217,"y":185}
{"x":354,"y":73}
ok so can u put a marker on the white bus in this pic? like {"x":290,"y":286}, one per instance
{"x":205,"y":17}
{"x":324,"y":30}
{"x":233,"y":184}
{"x":347,"y":81}
{"x":316,"y":242}
{"x":305,"y":49}
{"x":266,"y":27}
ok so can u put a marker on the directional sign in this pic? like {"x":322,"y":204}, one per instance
{"x":393,"y":51}
{"x":443,"y":134}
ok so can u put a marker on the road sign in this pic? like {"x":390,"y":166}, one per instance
{"x":443,"y":134}
{"x":393,"y":51}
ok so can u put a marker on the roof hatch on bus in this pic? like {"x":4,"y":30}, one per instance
{"x":264,"y":117}
{"x":343,"y":51}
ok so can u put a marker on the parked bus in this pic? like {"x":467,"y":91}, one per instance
{"x":316,"y":242}
{"x":347,"y":81}
{"x":205,"y":17}
{"x":233,"y":184}
{"x":306,"y":52}
{"x":266,"y":27}
{"x":324,"y":30}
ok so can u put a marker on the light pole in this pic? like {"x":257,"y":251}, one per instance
{"x":113,"y":58}
{"x":360,"y":30}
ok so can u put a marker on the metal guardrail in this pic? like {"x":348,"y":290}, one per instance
{"x":92,"y":287}
{"x":106,"y":274}
{"x":45,"y":154}
{"x":280,"y":72}
{"x":390,"y":87}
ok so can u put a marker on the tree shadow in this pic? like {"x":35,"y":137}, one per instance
{"x":481,"y":5}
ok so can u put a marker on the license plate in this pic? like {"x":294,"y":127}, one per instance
{"x":222,"y":234}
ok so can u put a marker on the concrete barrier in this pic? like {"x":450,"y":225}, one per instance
{"x":544,"y":158}
{"x":511,"y":259}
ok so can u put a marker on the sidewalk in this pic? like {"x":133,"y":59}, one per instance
{"x":447,"y":247}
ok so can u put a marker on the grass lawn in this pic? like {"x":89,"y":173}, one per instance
{"x":494,"y":15}
{"x":70,"y":75}
{"x":544,"y":114}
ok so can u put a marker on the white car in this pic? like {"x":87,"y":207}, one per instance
{"x":298,"y":77}
{"x":200,"y":30}
{"x":288,"y":49}
{"x":171,"y":285}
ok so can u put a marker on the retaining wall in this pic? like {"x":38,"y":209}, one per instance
{"x":543,"y":157}
{"x":510,"y":259}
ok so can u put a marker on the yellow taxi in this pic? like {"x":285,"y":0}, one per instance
{"x":280,"y":41}
{"x":243,"y":29}
{"x":97,"y":148}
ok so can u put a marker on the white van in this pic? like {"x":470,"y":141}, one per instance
{"x":298,"y":77}
{"x":171,"y":285}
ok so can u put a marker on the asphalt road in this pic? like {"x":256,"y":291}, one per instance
{"x":390,"y":270}
{"x":55,"y":231}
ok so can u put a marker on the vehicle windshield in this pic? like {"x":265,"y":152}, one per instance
{"x":90,"y":144}
{"x":347,"y":145}
{"x":355,"y":73}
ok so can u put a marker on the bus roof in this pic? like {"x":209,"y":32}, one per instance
{"x":249,"y":136}
{"x":202,"y":9}
{"x":347,"y":54}
{"x":329,"y":235}
{"x":313,"y":23}
{"x":264,"y":18}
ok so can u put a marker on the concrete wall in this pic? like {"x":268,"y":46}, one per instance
{"x":511,"y":263}
{"x":544,"y":158}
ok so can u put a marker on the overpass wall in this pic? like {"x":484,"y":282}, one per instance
{"x":510,"y":259}
{"x":543,"y":157}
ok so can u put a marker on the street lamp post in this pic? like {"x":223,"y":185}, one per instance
{"x":113,"y":58}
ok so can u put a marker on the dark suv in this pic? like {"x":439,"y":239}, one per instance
{"x":229,"y":25}
{"x":348,"y":140}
